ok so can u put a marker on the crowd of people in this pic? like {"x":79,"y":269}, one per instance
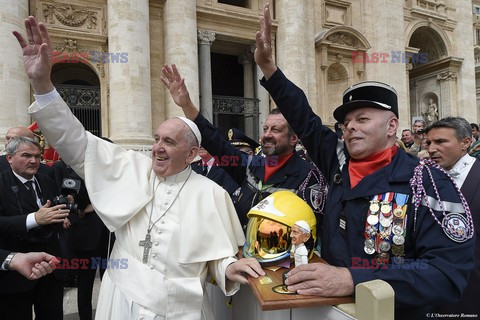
{"x":182,"y":214}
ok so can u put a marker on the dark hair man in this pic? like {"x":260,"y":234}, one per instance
{"x":258,"y":177}
{"x":370,"y":193}
{"x":448,"y":140}
{"x":475,"y":131}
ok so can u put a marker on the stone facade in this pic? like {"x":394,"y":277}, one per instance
{"x":427,"y":49}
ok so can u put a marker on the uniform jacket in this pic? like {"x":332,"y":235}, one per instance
{"x":216,"y":174}
{"x":469,"y":303}
{"x":296,"y":175}
{"x":16,"y":203}
{"x":439,"y":267}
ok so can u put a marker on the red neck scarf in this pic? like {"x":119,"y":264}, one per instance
{"x":358,"y":169}
{"x":272,"y":166}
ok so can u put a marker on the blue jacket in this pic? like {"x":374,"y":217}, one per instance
{"x":296,"y":175}
{"x":436,"y":269}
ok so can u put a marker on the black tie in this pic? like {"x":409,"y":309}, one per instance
{"x":29,"y":185}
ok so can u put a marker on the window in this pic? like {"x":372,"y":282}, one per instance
{"x":476,"y":10}
{"x":239,"y":3}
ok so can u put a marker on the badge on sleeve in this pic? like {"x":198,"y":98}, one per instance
{"x":456,"y":227}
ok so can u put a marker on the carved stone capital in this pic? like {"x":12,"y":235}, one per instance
{"x":205,"y":37}
{"x":245,"y":58}
{"x":446,"y":76}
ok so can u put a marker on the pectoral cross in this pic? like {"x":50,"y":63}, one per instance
{"x":147,"y":245}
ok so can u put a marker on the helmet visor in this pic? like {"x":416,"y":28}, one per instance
{"x":267,"y":240}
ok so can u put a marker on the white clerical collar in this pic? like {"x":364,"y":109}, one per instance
{"x":177,"y":177}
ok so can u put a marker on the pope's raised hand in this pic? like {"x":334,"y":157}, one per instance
{"x":178,"y":90}
{"x":37,"y":55}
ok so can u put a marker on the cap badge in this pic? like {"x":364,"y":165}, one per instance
{"x":230,"y":135}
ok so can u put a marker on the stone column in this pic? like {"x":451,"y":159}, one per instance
{"x":180,"y":19}
{"x":295,"y":41}
{"x":15,"y":88}
{"x":386,"y":13}
{"x":246,"y":59}
{"x":263,"y":96}
{"x":130,"y":85}
{"x":447,"y":105}
{"x":205,"y":40}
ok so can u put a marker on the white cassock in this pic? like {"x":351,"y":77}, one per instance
{"x":199,"y":234}
{"x":300,"y":254}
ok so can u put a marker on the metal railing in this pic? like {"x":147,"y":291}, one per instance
{"x":84,"y":101}
{"x":248,"y":108}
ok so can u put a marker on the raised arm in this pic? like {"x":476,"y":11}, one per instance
{"x":232,"y":160}
{"x":319,"y":140}
{"x":60,"y":127}
{"x":178,"y":90}
{"x":263,"y":38}
{"x":37,"y":55}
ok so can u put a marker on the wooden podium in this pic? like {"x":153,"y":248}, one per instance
{"x":270,"y":300}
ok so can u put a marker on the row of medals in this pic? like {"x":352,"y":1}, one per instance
{"x":387,"y":229}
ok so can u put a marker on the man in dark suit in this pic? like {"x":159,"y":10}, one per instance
{"x":21,"y":132}
{"x":448,"y":140}
{"x":88,"y":237}
{"x":28,"y":222}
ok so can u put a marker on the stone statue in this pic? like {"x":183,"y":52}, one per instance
{"x":431,"y":114}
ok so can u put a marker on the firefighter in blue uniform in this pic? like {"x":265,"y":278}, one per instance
{"x":375,"y":226}
{"x":258,"y":176}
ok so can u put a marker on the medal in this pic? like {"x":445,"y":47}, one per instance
{"x":372,"y":219}
{"x":398,"y":212}
{"x":369,"y":243}
{"x":398,"y":260}
{"x":456,"y":227}
{"x":398,"y":239}
{"x":397,"y":230}
{"x":385,"y":208}
{"x":384,"y":245}
{"x":383,"y":258}
{"x":369,"y":250}
{"x":385,"y":222}
{"x":398,"y":250}
{"x":374,"y":207}
{"x":371,"y":230}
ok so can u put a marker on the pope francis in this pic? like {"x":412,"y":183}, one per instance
{"x":172,"y":225}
